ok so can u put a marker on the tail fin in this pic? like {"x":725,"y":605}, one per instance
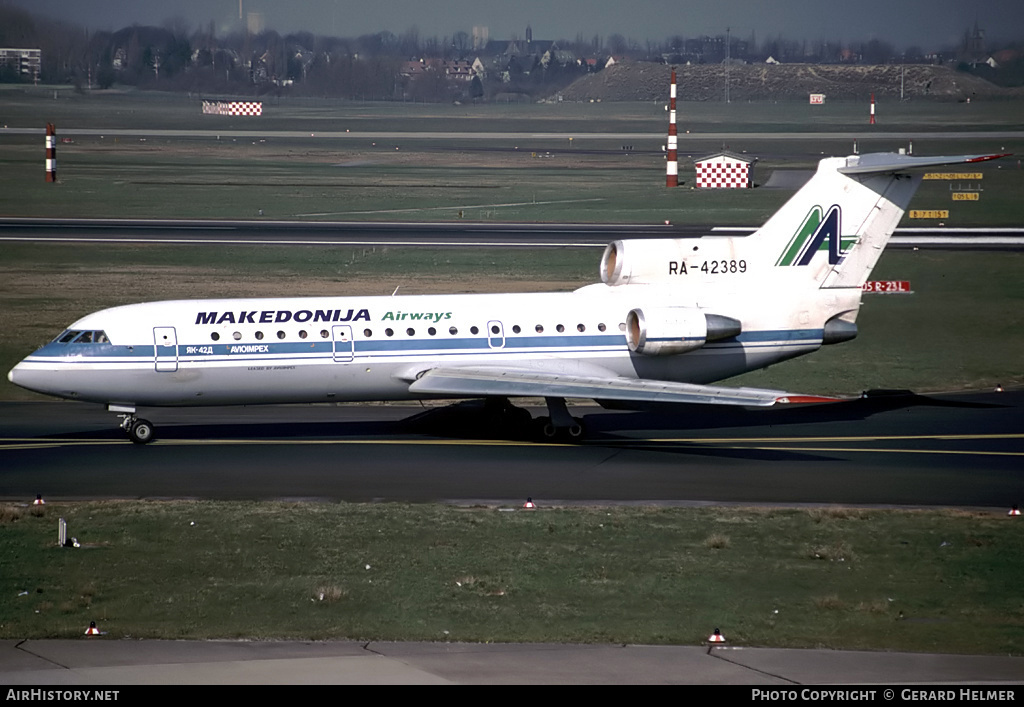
{"x":833,"y":230}
{"x":828,"y":235}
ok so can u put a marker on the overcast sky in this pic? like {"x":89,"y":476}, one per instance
{"x":929,"y":24}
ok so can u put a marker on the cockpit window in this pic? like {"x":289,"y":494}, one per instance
{"x":83,"y":337}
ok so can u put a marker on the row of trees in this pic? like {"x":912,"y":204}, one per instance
{"x":176,"y":57}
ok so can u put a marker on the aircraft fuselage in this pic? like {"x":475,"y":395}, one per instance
{"x":323,"y":349}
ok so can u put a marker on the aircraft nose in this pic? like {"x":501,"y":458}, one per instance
{"x":21,"y":377}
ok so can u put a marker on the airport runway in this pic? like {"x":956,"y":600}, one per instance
{"x":510,"y":235}
{"x":964,"y":450}
{"x":491,"y":136}
{"x":256,"y":232}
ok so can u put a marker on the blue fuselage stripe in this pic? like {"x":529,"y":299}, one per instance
{"x":580,"y":345}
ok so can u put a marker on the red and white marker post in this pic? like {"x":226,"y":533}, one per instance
{"x":51,"y":153}
{"x":672,"y":164}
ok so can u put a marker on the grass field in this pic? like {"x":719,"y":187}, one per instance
{"x":25,"y":106}
{"x":261,"y":174}
{"x":942,"y":581}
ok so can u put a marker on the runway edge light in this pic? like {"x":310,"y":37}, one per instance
{"x":529,"y":503}
{"x":1014,"y":511}
{"x":92,"y":630}
{"x":716,"y":637}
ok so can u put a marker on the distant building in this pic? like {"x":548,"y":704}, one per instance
{"x":724,"y":170}
{"x":481,"y":35}
{"x":26,"y":62}
{"x":973,"y":47}
{"x":255,"y":23}
{"x":458,"y":70}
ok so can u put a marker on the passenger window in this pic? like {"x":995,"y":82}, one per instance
{"x":540,"y":329}
{"x":259,"y":336}
{"x":580,"y":327}
{"x":367,"y":333}
{"x":559,"y":328}
{"x":474,"y":330}
{"x":410,"y":331}
{"x":431,"y":331}
{"x":215,"y":336}
{"x":303,"y":334}
{"x":453,"y":331}
{"x":516,"y":329}
{"x":280,"y":335}
{"x":601,"y":327}
{"x":389,"y":332}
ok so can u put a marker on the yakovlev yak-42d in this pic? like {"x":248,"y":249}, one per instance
{"x":669,"y":317}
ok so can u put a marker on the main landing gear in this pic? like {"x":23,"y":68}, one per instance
{"x":139,"y":431}
{"x":560,"y":426}
{"x":557,"y":426}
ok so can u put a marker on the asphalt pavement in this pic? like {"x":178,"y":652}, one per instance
{"x":99,"y":661}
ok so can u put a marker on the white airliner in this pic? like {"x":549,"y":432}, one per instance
{"x":669,"y":317}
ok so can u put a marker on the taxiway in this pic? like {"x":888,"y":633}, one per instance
{"x":889,"y":449}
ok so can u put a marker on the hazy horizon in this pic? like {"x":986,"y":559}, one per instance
{"x":929,"y":24}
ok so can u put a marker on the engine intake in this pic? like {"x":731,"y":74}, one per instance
{"x":664,"y":331}
{"x":671,"y":260}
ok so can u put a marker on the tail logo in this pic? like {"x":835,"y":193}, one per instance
{"x":815,"y":234}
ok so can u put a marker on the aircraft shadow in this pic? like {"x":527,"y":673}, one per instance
{"x":634,"y":430}
{"x":470,"y":418}
{"x":709,"y":417}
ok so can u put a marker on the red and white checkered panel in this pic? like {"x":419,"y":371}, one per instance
{"x":246,"y":108}
{"x":723,"y":174}
{"x":232,"y":108}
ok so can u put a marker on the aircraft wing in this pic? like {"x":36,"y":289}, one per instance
{"x":474,"y":382}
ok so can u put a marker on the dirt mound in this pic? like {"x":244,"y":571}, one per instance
{"x":641,"y":81}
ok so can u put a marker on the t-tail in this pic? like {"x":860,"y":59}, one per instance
{"x":829,"y":235}
{"x":804,"y":269}
{"x":833,"y":230}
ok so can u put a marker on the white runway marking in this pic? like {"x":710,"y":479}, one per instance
{"x":449,"y":208}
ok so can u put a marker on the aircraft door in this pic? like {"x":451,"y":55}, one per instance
{"x":495,"y":335}
{"x":344,"y":346}
{"x":165,"y":342}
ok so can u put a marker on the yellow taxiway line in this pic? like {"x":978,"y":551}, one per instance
{"x":760,"y":443}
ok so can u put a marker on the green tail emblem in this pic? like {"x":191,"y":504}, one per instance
{"x":819,"y":231}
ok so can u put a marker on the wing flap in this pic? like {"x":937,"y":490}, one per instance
{"x":484,"y":381}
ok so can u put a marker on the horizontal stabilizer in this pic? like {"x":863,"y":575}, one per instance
{"x":480,"y":381}
{"x":886,"y":162}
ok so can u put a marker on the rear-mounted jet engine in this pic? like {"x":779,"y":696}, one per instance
{"x":664,"y":331}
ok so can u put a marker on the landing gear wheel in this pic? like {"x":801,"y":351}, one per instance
{"x":573,"y":433}
{"x":576,"y":431}
{"x":142,"y":432}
